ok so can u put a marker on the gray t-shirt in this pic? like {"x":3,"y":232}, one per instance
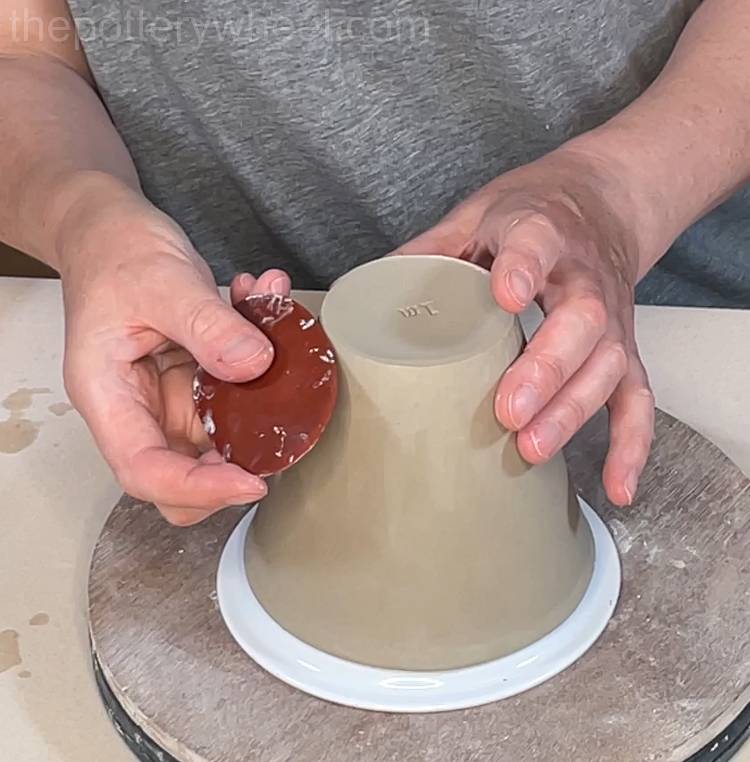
{"x":315,"y":136}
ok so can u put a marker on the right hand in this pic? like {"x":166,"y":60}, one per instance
{"x":140,"y":304}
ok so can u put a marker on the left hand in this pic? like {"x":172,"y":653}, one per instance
{"x":557,"y":231}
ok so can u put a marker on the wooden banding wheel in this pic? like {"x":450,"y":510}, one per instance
{"x":668,"y":680}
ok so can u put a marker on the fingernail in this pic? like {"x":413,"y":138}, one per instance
{"x":546,"y":438}
{"x":244,"y":348}
{"x":523,"y":404}
{"x":278,"y":285}
{"x":630,"y":486}
{"x":251,"y":495}
{"x":247,"y":281}
{"x":245,"y":499}
{"x":520,"y":286}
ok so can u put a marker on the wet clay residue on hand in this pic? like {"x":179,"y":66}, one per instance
{"x":18,"y":432}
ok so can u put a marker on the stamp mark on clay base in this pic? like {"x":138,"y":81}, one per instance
{"x":423,"y":308}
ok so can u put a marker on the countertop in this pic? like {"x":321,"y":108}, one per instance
{"x":56,"y":492}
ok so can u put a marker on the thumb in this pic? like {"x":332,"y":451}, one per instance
{"x":222,"y":341}
{"x":452,"y":234}
{"x":444,"y":239}
{"x":525,"y":247}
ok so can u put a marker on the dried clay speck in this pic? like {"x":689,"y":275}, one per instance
{"x":208,"y":423}
{"x":324,"y":379}
{"x":327,"y":356}
{"x":281,"y":431}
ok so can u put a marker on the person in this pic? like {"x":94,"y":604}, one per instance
{"x":571,"y":147}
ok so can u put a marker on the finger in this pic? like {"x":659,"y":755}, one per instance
{"x":557,"y":350}
{"x":179,"y":420}
{"x":242,"y":286}
{"x":441,"y":240}
{"x":453,"y":235}
{"x":631,"y":431}
{"x":450,"y":236}
{"x":137,"y":450}
{"x":159,"y":475}
{"x":271,"y":282}
{"x":227,"y":345}
{"x":525,"y":249}
{"x":184,"y":516}
{"x":586,"y":392}
{"x":212,"y":457}
{"x":172,"y":357}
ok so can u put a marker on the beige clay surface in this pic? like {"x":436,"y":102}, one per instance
{"x":55,"y":493}
{"x":386,"y":543}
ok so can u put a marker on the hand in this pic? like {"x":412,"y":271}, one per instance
{"x":558,"y":230}
{"x":139,"y":305}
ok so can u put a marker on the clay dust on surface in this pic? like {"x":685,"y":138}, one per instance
{"x":60,"y":408}
{"x":17,"y":431}
{"x":10,"y":653}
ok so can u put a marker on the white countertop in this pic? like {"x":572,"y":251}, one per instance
{"x":56,"y":492}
